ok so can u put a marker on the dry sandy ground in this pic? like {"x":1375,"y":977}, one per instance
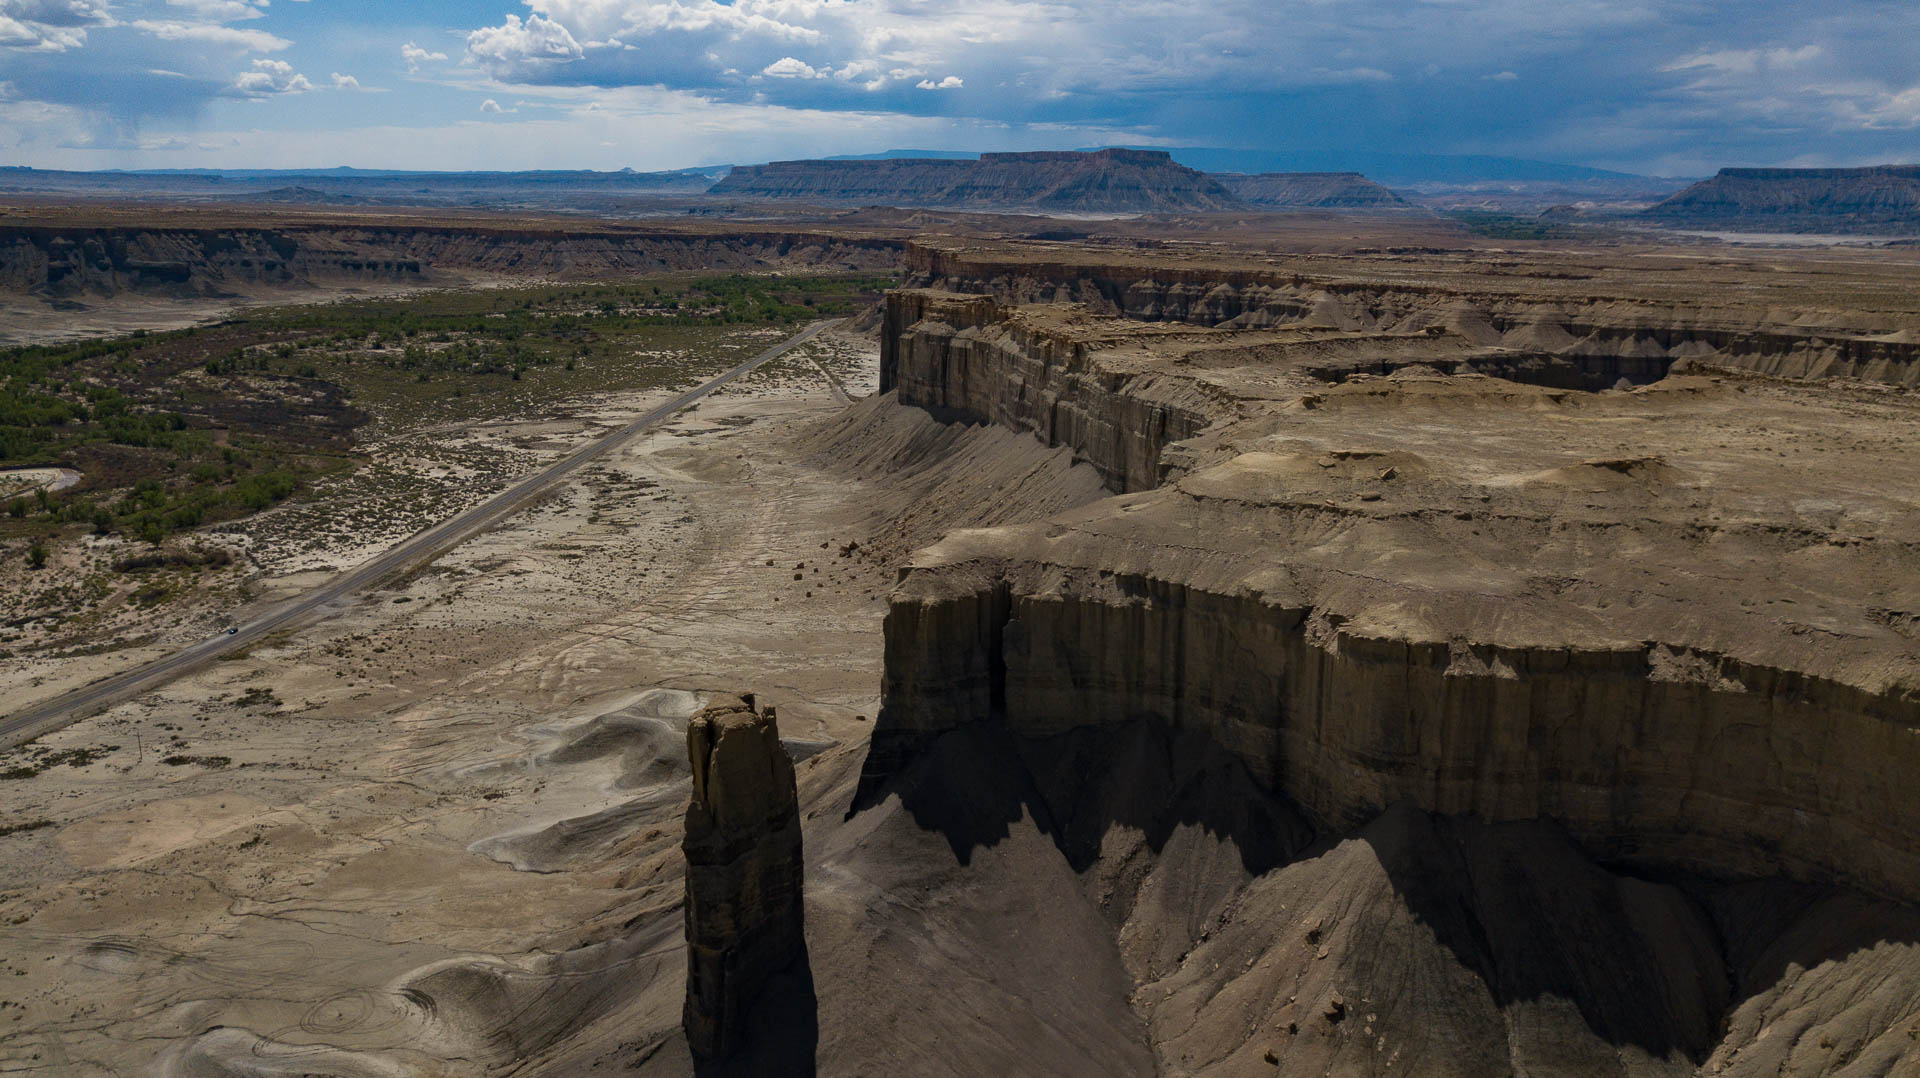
{"x":79,"y":620}
{"x":267,"y":848}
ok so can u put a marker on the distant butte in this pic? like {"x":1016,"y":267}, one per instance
{"x":1105,"y":181}
{"x":1883,"y":198}
{"x":1311,"y":190}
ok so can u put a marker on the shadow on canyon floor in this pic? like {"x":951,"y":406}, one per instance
{"x":1504,"y":934}
{"x":1075,"y":787}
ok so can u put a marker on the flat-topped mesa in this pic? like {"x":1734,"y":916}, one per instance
{"x":1780,"y":320}
{"x":1882,"y":198}
{"x":1310,"y":190}
{"x":744,"y":870}
{"x":1106,"y":181}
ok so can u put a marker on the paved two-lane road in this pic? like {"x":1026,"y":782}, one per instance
{"x":420,"y":549}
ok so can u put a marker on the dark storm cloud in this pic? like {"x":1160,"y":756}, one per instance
{"x":1656,"y":82}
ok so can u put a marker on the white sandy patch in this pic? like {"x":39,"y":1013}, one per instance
{"x":18,"y":480}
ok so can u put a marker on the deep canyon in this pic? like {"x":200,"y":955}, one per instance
{"x":1319,"y":655}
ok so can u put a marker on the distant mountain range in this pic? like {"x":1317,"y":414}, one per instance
{"x":1114,"y":180}
{"x":1395,"y":170}
{"x":1879,"y":200}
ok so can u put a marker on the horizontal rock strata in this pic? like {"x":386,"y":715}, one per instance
{"x":1634,"y":613}
{"x":1880,"y":198}
{"x":69,"y":262}
{"x":1786,"y":323}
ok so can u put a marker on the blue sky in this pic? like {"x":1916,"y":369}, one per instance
{"x":1670,"y":87}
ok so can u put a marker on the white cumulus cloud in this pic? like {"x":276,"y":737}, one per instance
{"x":59,"y":12}
{"x":414,"y":55}
{"x":49,"y":25}
{"x":33,"y":37}
{"x":509,"y":48}
{"x":270,"y":77}
{"x":788,"y":67}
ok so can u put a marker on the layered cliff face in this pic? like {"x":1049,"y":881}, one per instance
{"x":1110,"y":181}
{"x":1479,"y":596}
{"x":1370,"y":709}
{"x":1791,"y":320}
{"x":1119,"y":393}
{"x":63,"y":264}
{"x":1668,"y":757}
{"x":1883,"y":198}
{"x":744,"y":871}
{"x":72,"y":262}
{"x":1311,"y":190}
{"x":1044,"y":372}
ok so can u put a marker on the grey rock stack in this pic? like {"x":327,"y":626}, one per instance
{"x":744,"y":872}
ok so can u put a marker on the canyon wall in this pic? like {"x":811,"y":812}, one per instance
{"x":1802,"y":339}
{"x":1416,"y":589}
{"x":1118,"y":393}
{"x":966,"y":359}
{"x":1653,"y":756}
{"x":71,"y":262}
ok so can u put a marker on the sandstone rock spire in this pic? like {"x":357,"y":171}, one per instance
{"x":744,"y":873}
